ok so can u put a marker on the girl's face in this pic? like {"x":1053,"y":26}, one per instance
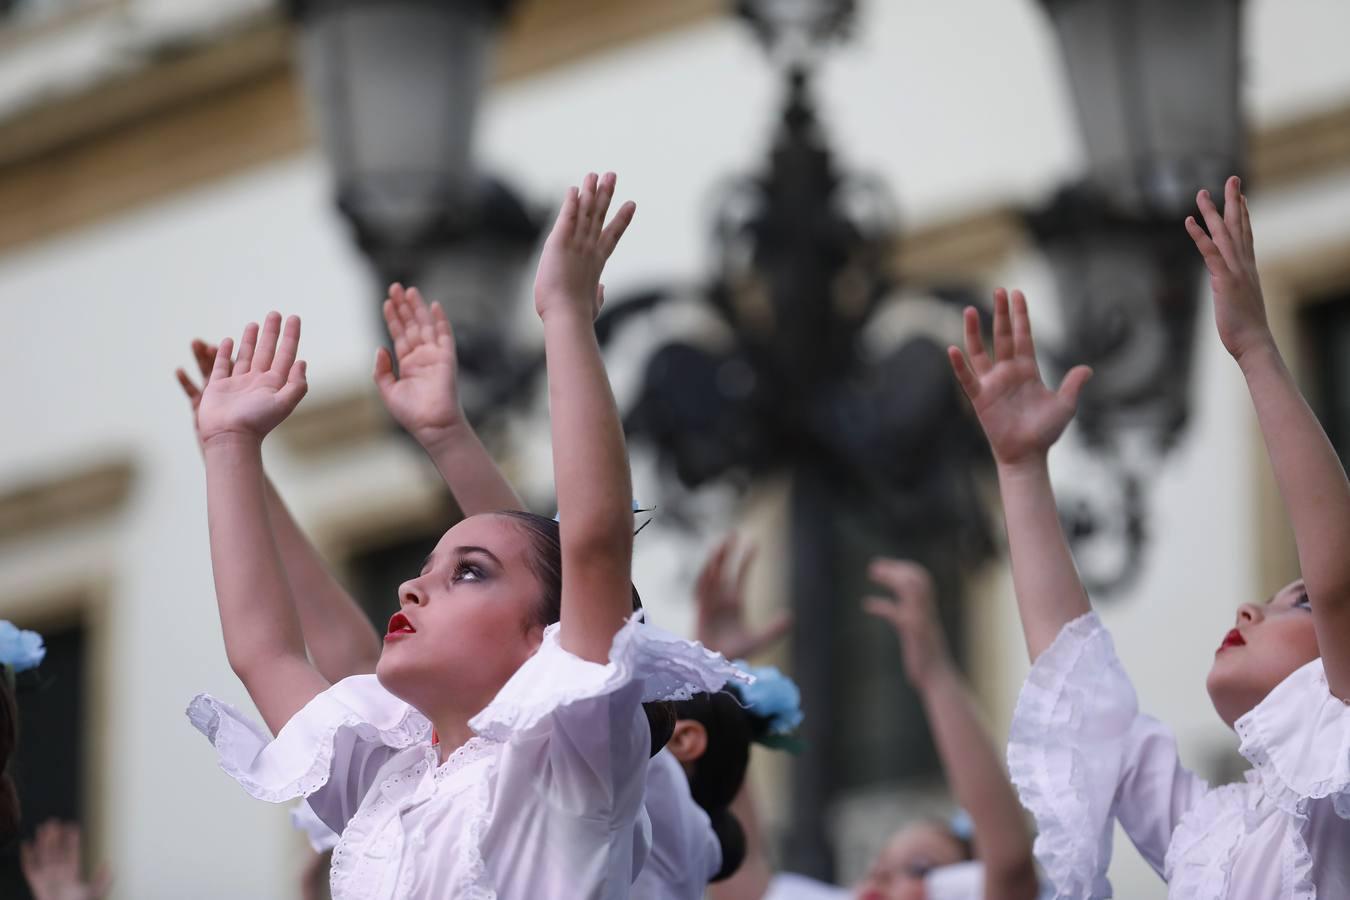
{"x":466,"y":623}
{"x":1269,"y":643}
{"x":899,"y":870}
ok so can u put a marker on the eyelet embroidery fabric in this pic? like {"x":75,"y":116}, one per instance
{"x":378,"y":854}
{"x":1298,"y":740}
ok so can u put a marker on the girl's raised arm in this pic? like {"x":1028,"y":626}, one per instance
{"x":590,"y":460}
{"x":1022,"y":419}
{"x":339,"y":637}
{"x":1310,"y":476}
{"x":970,"y":761}
{"x":240,"y":405}
{"x":424,"y":398}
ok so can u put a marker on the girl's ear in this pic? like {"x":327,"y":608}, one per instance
{"x":689,"y":741}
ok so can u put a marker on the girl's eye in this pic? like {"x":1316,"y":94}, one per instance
{"x":1302,"y":602}
{"x":466,"y":571}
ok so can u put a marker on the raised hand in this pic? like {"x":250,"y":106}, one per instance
{"x":1020,"y":416}
{"x":205,"y":355}
{"x":578,"y":248}
{"x":262,"y":387}
{"x":423,"y":397}
{"x":51,"y":864}
{"x":720,"y":596}
{"x":1239,"y":309}
{"x":910,"y":610}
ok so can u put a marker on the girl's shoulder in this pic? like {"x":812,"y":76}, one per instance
{"x":354,"y":722}
{"x":1298,"y":742}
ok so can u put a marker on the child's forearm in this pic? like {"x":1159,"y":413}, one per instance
{"x":980,"y":786}
{"x":474,"y":479}
{"x":1316,"y":496}
{"x":590,"y":469}
{"x":340,"y":638}
{"x":263,"y":640}
{"x":1050,"y":593}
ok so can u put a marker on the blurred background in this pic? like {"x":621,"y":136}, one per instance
{"x":822,"y":184}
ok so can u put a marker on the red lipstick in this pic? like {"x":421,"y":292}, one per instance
{"x":398,"y":627}
{"x":1233,"y":638}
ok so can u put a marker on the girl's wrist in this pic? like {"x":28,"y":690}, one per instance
{"x":1258,"y":353}
{"x":230,"y":441}
{"x":1030,"y":466}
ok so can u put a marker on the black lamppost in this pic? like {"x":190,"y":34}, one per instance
{"x":395,"y":87}
{"x":876,"y":441}
{"x":1155,"y":84}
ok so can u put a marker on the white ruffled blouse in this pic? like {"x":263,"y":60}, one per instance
{"x":1083,"y":756}
{"x":545,"y":802}
{"x":685,"y":850}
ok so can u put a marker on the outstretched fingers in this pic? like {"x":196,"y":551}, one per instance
{"x":194,"y":393}
{"x":221,"y":367}
{"x":267,"y":343}
{"x":283,"y":365}
{"x":1072,"y":385}
{"x":293,"y":391}
{"x":609,"y":238}
{"x":979,"y":357}
{"x":586,"y":205}
{"x":604,"y":194}
{"x":1213,"y":258}
{"x":1003,"y":332}
{"x":1023,"y":344}
{"x":445,"y":335}
{"x":969,"y":381}
{"x":247,"y":343}
{"x":1218,"y":230}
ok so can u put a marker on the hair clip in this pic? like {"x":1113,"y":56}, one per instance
{"x":637,"y":508}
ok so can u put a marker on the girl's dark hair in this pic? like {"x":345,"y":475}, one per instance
{"x":545,"y":561}
{"x":9,"y":741}
{"x":715,"y":778}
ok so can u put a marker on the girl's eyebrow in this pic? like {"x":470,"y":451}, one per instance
{"x":464,"y":551}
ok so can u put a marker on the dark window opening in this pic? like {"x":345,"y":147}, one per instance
{"x":49,"y":765}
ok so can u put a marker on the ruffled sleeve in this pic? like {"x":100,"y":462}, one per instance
{"x":576,"y":746}
{"x":1081,"y":756}
{"x":1298,"y":738}
{"x":321,"y":837}
{"x":329,"y":751}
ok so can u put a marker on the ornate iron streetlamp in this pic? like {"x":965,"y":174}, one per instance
{"x":876,"y":441}
{"x":395,"y":87}
{"x":1156,"y":89}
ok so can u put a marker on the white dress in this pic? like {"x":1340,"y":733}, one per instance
{"x":545,"y":802}
{"x":685,"y":851}
{"x":1083,"y":756}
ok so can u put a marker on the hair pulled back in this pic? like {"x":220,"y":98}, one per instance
{"x":545,"y":562}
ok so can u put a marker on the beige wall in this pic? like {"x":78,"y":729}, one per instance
{"x":959,"y":107}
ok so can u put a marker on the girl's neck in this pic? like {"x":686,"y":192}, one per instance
{"x":452,"y":732}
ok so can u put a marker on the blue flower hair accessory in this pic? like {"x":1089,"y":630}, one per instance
{"x":774,"y":700}
{"x":20,"y":650}
{"x":961,"y":826}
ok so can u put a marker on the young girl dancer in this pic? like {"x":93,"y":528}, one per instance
{"x":522,"y":656}
{"x":1080,"y":752}
{"x":688,"y":849}
{"x":925,"y":861}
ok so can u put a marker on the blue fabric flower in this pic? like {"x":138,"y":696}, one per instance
{"x":771,"y":696}
{"x":961,"y":825}
{"x":20,"y":650}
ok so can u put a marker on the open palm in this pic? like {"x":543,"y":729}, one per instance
{"x":1020,"y":415}
{"x":423,"y":397}
{"x":264,"y":384}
